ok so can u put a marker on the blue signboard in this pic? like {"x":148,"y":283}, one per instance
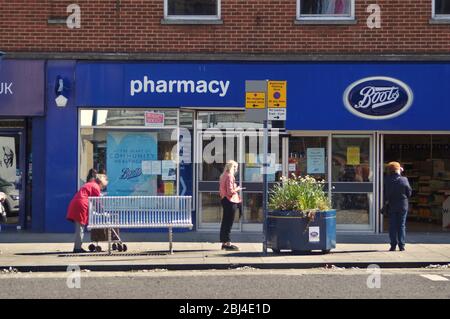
{"x":126,"y":152}
{"x":320,"y":96}
{"x":21,"y":88}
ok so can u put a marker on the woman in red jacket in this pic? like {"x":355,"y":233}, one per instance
{"x":78,"y":211}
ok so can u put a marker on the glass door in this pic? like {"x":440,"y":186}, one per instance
{"x":352,"y":183}
{"x":11,"y":178}
{"x":246,"y":148}
{"x":216,"y":148}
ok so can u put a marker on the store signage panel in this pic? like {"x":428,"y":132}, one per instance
{"x":157,"y":85}
{"x":255,"y":100}
{"x":22,"y":88}
{"x":378,"y":98}
{"x":315,"y":94}
{"x":276,"y":91}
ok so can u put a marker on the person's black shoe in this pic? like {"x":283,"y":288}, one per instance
{"x":79,"y":251}
{"x":392,"y":248}
{"x":230,"y":247}
{"x":402,"y":248}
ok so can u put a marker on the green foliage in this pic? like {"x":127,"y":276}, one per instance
{"x":303,"y":194}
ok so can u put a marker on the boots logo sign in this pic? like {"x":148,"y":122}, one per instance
{"x":378,"y":98}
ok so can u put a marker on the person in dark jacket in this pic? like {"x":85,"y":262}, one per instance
{"x":396,"y":193}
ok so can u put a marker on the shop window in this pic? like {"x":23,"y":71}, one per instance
{"x":139,"y":159}
{"x":441,"y":9}
{"x":426,"y":162}
{"x":325,"y":9}
{"x":308,"y":156}
{"x":192,"y":9}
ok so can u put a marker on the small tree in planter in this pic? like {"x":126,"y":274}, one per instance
{"x":300,"y":216}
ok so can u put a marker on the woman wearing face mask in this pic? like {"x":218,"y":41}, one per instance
{"x":78,"y":211}
{"x":230,"y":200}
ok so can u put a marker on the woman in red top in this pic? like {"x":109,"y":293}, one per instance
{"x":78,"y":211}
{"x":230,"y":199}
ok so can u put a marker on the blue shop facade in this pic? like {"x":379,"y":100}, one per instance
{"x":166,"y":128}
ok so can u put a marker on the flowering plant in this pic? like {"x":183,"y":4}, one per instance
{"x":302,"y":194}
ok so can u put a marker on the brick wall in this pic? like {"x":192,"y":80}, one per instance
{"x":249,"y":26}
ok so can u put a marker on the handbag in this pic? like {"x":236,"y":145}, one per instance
{"x":385,"y":210}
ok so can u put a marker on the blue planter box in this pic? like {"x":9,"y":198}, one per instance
{"x":289,"y":230}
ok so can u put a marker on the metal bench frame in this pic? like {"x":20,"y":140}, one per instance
{"x":133,"y":212}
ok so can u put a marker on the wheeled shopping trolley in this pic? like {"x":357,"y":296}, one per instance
{"x":106,"y":235}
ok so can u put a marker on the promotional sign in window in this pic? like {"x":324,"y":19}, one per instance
{"x":7,"y":159}
{"x":353,"y":155}
{"x":315,"y":160}
{"x":127,"y":154}
{"x":154,"y":119}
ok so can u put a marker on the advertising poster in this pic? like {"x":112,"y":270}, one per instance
{"x":7,"y":159}
{"x":353,"y":155}
{"x":315,"y":160}
{"x":126,"y":152}
{"x":169,"y":170}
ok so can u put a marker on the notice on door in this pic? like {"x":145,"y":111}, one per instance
{"x":353,"y":155}
{"x":315,"y":160}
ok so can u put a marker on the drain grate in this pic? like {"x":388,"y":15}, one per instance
{"x":113,"y":255}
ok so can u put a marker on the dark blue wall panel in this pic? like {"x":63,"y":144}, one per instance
{"x":61,"y":151}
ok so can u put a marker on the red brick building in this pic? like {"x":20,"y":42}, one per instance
{"x":252,"y":27}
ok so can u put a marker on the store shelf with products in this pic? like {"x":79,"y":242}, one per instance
{"x":430,"y":181}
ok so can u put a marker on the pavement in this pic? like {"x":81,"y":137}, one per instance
{"x":24,"y":252}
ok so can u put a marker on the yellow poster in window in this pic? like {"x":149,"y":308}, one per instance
{"x":353,"y":155}
{"x":168,"y":188}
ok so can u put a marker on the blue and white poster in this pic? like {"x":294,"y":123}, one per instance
{"x":315,"y":160}
{"x":125,"y":153}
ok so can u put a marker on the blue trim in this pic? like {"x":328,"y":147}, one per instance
{"x":61,"y":153}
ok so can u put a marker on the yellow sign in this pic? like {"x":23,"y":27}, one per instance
{"x":353,"y":155}
{"x":169,"y":188}
{"x":255,"y":100}
{"x":277,"y":94}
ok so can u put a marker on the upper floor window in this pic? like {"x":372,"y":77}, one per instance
{"x":192,"y":9}
{"x":441,"y":9}
{"x":325,"y":9}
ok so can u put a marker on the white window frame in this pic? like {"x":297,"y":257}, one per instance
{"x":435,"y":16}
{"x":191,"y":17}
{"x":321,"y":17}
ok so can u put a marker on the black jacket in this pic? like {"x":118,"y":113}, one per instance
{"x":396,"y":192}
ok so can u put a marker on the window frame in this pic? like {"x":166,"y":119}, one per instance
{"x":320,"y":17}
{"x":168,"y":17}
{"x":435,"y":16}
{"x":126,"y":128}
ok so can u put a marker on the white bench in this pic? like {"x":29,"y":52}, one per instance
{"x":109,"y":212}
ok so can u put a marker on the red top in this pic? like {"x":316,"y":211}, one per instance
{"x":78,"y":210}
{"x":228,"y":188}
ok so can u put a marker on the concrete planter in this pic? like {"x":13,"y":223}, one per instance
{"x":291,"y":230}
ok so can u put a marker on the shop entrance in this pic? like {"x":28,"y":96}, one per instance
{"x":246,"y":148}
{"x":12,"y":164}
{"x":426,"y":160}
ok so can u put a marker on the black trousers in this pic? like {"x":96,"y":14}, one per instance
{"x":229,"y":212}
